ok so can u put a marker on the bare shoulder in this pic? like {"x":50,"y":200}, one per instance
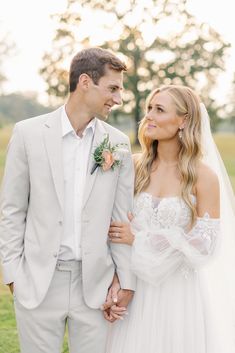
{"x":206,"y":178}
{"x":207,"y":191}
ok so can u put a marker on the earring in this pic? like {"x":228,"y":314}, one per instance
{"x":180,"y":133}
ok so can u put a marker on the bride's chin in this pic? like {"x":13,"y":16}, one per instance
{"x":151,"y":135}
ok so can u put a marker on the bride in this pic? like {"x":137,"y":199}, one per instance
{"x":179,"y":250}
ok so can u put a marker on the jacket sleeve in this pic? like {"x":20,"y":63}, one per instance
{"x":121,"y":253}
{"x":13,"y":206}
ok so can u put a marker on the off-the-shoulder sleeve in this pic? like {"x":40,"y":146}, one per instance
{"x":158,"y":253}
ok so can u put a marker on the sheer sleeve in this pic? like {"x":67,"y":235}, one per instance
{"x":157,"y":253}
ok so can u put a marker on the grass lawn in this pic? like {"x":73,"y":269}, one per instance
{"x":226,"y":147}
{"x":8,"y":333}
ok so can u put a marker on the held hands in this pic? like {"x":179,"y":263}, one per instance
{"x":116,"y":303}
{"x":115,"y":306}
{"x":120,"y":233}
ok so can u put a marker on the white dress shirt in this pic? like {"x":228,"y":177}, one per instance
{"x":76,"y":153}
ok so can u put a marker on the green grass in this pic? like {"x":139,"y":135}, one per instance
{"x":226,"y":146}
{"x":8,"y":333}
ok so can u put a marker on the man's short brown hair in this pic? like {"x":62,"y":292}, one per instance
{"x":93,"y":62}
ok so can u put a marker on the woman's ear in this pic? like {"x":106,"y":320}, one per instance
{"x":184,"y":122}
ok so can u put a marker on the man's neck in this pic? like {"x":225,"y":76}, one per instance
{"x":78,"y":117}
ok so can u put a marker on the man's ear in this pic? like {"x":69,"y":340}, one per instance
{"x":84,"y":81}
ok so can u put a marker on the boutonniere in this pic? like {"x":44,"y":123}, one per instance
{"x":106,"y":155}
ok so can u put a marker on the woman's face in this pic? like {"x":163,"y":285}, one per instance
{"x":162,"y":122}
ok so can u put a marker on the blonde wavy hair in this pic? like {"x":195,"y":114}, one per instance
{"x":187,"y":104}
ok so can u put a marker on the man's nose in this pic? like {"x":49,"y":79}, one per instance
{"x":117,"y":98}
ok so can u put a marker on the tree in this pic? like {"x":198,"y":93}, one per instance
{"x":161,"y":42}
{"x":228,"y":110}
{"x":15,"y":107}
{"x":7,"y":48}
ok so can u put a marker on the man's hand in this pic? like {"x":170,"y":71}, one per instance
{"x":118,"y":311}
{"x":111,"y":299}
{"x":11,"y":286}
{"x":113,"y":311}
{"x":124,"y":297}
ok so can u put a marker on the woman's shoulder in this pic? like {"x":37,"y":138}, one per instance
{"x":207,"y":179}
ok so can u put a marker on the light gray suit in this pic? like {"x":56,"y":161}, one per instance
{"x":32,"y":203}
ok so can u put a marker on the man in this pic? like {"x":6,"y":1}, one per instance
{"x":57,"y":202}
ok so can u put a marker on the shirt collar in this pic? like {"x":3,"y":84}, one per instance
{"x":67,"y":127}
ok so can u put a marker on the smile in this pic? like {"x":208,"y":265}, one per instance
{"x":109,"y":107}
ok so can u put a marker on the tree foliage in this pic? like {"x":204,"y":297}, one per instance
{"x":161,"y":42}
{"x":15,"y":107}
{"x":7,"y":48}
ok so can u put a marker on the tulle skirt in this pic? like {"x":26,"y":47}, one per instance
{"x":173,"y":317}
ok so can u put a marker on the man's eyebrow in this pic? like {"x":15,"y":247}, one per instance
{"x":113,"y":85}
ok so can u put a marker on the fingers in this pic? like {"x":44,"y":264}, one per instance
{"x":116,"y":240}
{"x":106,"y":305}
{"x":115,"y":229}
{"x":115,"y":313}
{"x":116,"y":316}
{"x":118,"y":312}
{"x":116,"y":236}
{"x":108,"y":317}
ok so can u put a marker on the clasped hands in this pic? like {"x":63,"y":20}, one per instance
{"x":117,"y":299}
{"x":115,"y":306}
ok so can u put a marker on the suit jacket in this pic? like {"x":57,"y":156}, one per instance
{"x":31,"y":218}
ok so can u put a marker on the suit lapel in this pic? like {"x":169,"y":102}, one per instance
{"x":90,"y":178}
{"x":53,"y":142}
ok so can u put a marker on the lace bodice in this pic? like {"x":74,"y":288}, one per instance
{"x":163,"y":212}
{"x":164,"y":242}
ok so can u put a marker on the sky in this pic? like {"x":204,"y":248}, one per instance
{"x":29,"y":25}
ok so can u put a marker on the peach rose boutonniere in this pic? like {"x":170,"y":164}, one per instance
{"x":105,"y":155}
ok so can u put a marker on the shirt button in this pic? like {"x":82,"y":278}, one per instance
{"x":55,"y":254}
{"x":60,"y":223}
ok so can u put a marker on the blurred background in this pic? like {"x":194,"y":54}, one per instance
{"x":187,"y":42}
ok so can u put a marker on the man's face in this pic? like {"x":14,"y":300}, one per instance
{"x":106,"y":94}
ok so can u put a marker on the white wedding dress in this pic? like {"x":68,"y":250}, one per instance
{"x":170,"y":311}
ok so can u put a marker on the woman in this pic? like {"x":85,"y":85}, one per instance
{"x":173,"y":235}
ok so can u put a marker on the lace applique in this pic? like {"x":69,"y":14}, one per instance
{"x":162,"y":243}
{"x":204,"y":234}
{"x":169,"y":211}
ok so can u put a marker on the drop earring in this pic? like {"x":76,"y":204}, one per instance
{"x":180,"y":133}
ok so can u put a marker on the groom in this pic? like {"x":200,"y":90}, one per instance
{"x":56,"y":208}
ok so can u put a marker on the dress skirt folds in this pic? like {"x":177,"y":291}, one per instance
{"x":170,"y":311}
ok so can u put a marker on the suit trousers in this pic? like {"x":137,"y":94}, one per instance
{"x":41,"y":330}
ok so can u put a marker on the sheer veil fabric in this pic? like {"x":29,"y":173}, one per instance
{"x":219,"y":275}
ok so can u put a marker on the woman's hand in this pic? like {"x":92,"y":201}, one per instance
{"x":120,"y":233}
